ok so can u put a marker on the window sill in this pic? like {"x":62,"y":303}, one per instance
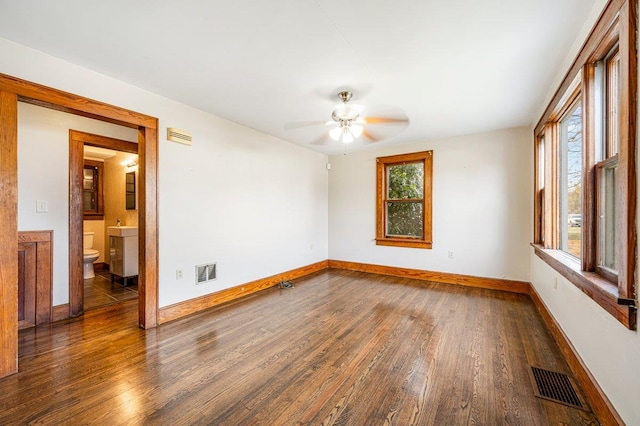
{"x":602,"y":291}
{"x":403,"y":242}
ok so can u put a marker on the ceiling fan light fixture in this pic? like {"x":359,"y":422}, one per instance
{"x":356,"y":130}
{"x":335,"y":133}
{"x":347,"y":136}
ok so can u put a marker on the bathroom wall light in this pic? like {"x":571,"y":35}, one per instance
{"x":130,"y":163}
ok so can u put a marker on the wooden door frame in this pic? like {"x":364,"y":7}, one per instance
{"x":77,"y":141}
{"x":13,"y":90}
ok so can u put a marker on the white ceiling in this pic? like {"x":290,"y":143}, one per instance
{"x":453,"y":66}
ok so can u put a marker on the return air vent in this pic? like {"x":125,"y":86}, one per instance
{"x":556,"y":387}
{"x":179,"y":136}
{"x":205,"y":273}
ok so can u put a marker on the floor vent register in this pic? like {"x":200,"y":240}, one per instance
{"x":556,"y":387}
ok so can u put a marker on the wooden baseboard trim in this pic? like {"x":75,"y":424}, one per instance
{"x":441,"y":277}
{"x":596,"y":397}
{"x":61,"y":312}
{"x":188,"y":307}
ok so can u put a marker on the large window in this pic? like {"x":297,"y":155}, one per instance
{"x":404,"y":200}
{"x":585,"y":168}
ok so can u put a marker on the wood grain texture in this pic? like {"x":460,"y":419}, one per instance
{"x":60,"y":312}
{"x":626,"y":210}
{"x":441,"y":277}
{"x":38,"y":276}
{"x":8,"y":233}
{"x":596,"y":397}
{"x":12,"y":89}
{"x":148,"y":227}
{"x":341,"y":348}
{"x":597,"y":288}
{"x":103,"y":141}
{"x":76,"y":217}
{"x":67,"y":102}
{"x":172,"y":312}
{"x":600,"y":30}
{"x":77,"y":140}
{"x":27,"y":272}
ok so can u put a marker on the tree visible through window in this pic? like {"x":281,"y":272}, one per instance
{"x":404,"y":200}
{"x":405,"y":194}
{"x":571,"y":203}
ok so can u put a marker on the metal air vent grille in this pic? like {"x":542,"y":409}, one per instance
{"x":179,"y":136}
{"x":555,"y":387}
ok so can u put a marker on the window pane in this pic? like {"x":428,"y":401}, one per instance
{"x":607,"y":217}
{"x":88,"y":201}
{"x":613,"y":99}
{"x":404,"y":219}
{"x":406,"y":181}
{"x":88,"y":174}
{"x":571,"y":180}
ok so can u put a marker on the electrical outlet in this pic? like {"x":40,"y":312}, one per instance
{"x":41,"y":206}
{"x":178,"y":274}
{"x":450,"y":254}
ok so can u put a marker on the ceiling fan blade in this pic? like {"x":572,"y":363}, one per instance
{"x":300,"y":124}
{"x":385,"y":120}
{"x":321,"y":140}
{"x":369,"y":136}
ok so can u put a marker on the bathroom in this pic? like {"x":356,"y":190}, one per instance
{"x":109,"y":201}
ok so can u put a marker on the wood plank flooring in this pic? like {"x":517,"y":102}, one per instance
{"x":341,"y":348}
{"x":100,"y":291}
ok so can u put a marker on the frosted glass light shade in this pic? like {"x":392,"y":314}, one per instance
{"x":356,"y":130}
{"x":335,"y":133}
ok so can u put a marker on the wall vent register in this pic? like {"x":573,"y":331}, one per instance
{"x":205,"y":273}
{"x":180,"y":136}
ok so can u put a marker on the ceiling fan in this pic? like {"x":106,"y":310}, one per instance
{"x":349,"y":123}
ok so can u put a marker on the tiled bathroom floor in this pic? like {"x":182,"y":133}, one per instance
{"x":99,"y":291}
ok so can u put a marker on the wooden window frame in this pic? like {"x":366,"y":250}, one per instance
{"x":613,"y":34}
{"x":425,"y":241}
{"x":98,"y":213}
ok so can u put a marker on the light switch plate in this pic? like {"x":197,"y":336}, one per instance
{"x":41,"y":206}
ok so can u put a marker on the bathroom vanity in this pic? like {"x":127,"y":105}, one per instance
{"x":123,"y":251}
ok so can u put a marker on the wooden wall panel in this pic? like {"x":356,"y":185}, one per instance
{"x":36,"y":276}
{"x":27,"y":273}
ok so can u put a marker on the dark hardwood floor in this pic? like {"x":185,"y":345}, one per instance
{"x":342,"y":348}
{"x":100,"y":291}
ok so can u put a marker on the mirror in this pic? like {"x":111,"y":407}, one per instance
{"x":130,"y":191}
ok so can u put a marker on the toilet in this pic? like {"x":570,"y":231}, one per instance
{"x":89,"y":255}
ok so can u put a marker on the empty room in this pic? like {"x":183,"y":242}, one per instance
{"x":319,"y":212}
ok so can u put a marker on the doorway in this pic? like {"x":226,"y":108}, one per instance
{"x":13,"y":90}
{"x":106,"y":200}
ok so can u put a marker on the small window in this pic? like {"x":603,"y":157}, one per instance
{"x":404,"y":200}
{"x":92,"y":199}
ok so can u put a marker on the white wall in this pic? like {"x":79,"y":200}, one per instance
{"x":610,"y":351}
{"x":254,"y":204}
{"x":481,"y":206}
